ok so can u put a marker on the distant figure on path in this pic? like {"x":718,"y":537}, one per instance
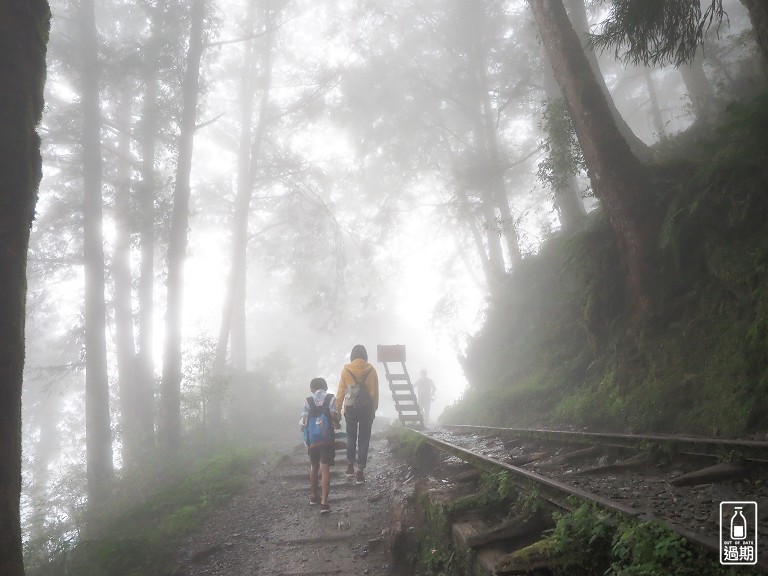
{"x":358,"y":392}
{"x":319,"y":419}
{"x":425,"y":390}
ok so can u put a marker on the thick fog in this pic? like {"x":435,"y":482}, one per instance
{"x":361,"y":172}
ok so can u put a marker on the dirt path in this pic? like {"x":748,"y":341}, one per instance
{"x":270,"y":529}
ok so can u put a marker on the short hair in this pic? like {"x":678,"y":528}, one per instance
{"x":358,"y":351}
{"x":318,"y":384}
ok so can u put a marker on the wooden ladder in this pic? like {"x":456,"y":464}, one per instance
{"x":400,"y":385}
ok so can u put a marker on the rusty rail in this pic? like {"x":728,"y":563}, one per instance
{"x":560,"y":494}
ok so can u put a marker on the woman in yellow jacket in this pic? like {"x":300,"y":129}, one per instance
{"x":358,"y":392}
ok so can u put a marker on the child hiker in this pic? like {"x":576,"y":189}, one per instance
{"x":319,"y":420}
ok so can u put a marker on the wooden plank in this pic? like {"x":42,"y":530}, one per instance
{"x":721,"y":471}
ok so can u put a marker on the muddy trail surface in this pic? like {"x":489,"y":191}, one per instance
{"x":271,"y":529}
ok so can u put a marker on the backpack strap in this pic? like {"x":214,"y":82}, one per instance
{"x":363,"y":379}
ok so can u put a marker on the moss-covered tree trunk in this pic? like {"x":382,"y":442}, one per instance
{"x":24,"y":26}
{"x":619,"y":180}
{"x":170,"y":388}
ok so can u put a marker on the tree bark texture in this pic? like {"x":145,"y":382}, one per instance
{"x":170,"y":389}
{"x":24,"y":26}
{"x":97,"y":420}
{"x":618,"y":178}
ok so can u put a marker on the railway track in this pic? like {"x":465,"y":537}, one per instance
{"x":679,"y":481}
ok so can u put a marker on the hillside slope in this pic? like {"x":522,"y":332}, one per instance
{"x":558,"y":346}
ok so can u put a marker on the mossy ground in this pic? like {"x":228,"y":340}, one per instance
{"x":135,"y":536}
{"x":559,"y":346}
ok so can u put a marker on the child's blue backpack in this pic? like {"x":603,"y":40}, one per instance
{"x":319,"y":429}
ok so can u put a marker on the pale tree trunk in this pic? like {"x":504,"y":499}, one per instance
{"x":568,"y":202}
{"x":699,"y":88}
{"x":465,"y":212}
{"x":247,"y":92}
{"x":619,"y":180}
{"x":493,"y":184}
{"x":121,"y":274}
{"x":98,"y":432}
{"x":170,"y":389}
{"x":45,"y":420}
{"x":658,"y":121}
{"x":578,"y":16}
{"x":24,"y":28}
{"x":145,"y":365}
{"x":233,"y":316}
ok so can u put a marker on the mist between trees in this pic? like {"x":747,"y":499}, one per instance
{"x":234,"y":193}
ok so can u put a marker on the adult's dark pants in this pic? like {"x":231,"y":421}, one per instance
{"x":359,"y":422}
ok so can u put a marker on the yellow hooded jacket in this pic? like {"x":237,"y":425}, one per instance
{"x":358,"y":367}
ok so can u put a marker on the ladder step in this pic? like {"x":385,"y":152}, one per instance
{"x":391,"y":377}
{"x":406,"y":418}
{"x":408,"y":411}
{"x":401,"y":387}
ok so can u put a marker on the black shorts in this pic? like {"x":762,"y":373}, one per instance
{"x":322,"y":454}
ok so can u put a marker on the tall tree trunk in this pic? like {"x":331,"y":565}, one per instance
{"x":247,"y":92}
{"x":578,"y":16}
{"x":170,"y":389}
{"x":98,"y":432}
{"x":619,"y":180}
{"x":465,"y":212}
{"x":45,"y":419}
{"x":24,"y":28}
{"x":486,"y":135}
{"x":658,"y":121}
{"x":121,"y":273}
{"x":758,"y":15}
{"x":699,"y":88}
{"x":148,"y":129}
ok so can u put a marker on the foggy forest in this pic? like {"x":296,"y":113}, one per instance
{"x":557,"y":206}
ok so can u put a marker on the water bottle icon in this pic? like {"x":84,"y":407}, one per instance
{"x":738,"y":525}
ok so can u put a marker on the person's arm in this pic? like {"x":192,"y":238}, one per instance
{"x":335,"y":414}
{"x":341,"y":391}
{"x":375,"y":394}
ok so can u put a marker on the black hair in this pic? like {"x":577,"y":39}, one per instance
{"x":318,"y":384}
{"x":358,"y":351}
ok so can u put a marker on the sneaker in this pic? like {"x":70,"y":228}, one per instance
{"x":314,"y":500}
{"x":325,"y":509}
{"x":359,"y":478}
{"x":350,"y":469}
